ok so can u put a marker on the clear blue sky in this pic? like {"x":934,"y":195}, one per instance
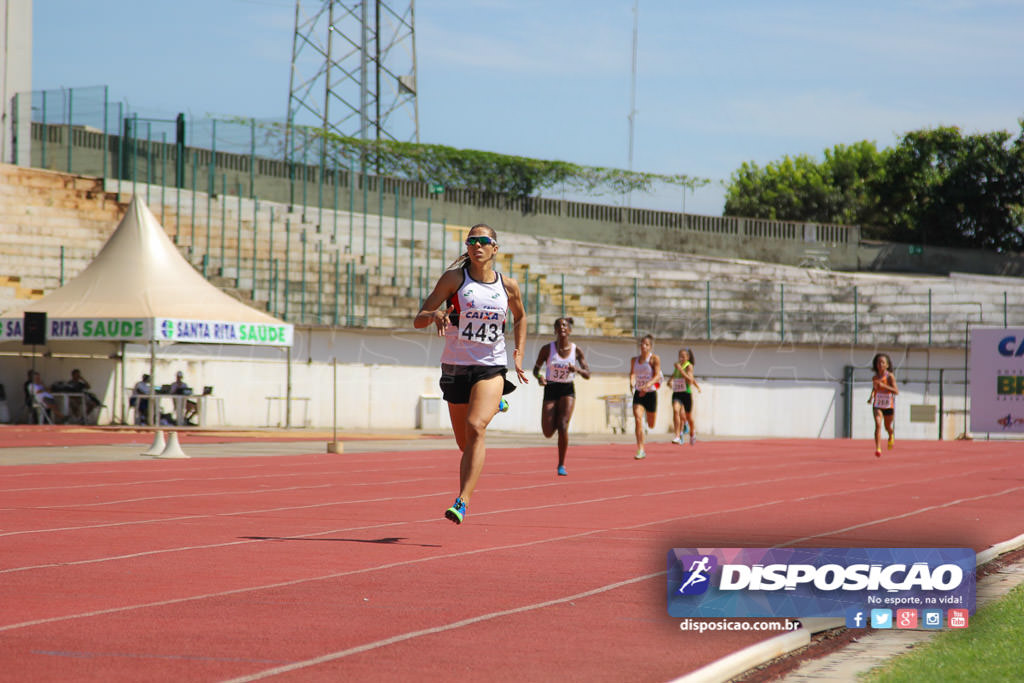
{"x":718,"y":83}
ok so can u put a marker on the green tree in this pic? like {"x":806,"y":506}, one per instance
{"x":941,"y":187}
{"x":839,"y":189}
{"x":936,"y":186}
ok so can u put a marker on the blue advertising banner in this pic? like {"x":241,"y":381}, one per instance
{"x":818,"y":582}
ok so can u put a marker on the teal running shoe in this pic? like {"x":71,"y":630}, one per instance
{"x":456,"y":512}
{"x":502,"y":405}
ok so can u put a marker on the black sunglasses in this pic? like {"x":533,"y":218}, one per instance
{"x":480,"y":239}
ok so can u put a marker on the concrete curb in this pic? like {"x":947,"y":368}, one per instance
{"x":743,"y":660}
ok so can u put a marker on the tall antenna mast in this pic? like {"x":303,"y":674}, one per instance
{"x":353,"y":73}
{"x":632,"y":94}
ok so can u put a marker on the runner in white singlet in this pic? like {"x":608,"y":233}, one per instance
{"x":473,"y":363}
{"x":644,"y":380}
{"x":563,"y":360}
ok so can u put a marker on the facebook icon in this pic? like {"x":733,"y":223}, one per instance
{"x":855,"y":618}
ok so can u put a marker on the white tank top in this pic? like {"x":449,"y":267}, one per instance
{"x":559,"y":369}
{"x":477,"y":332}
{"x":643,"y":371}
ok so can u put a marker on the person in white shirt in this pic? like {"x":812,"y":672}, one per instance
{"x":44,"y":398}
{"x":562,"y":361}
{"x":180,"y":388}
{"x":468,"y":306}
{"x":644,"y":380}
{"x":138,"y":401}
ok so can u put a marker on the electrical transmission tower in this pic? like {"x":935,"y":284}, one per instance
{"x":353,"y":74}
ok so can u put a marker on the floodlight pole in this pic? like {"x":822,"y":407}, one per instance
{"x":632,"y":95}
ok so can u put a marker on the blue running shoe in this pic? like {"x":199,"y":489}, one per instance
{"x":561,"y":471}
{"x":456,"y":512}
{"x":686,"y":427}
{"x":502,"y":405}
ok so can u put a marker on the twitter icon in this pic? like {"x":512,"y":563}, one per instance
{"x":881,"y":618}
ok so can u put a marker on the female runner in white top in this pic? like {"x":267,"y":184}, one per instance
{"x":473,"y":364}
{"x":563,"y":360}
{"x":644,"y":380}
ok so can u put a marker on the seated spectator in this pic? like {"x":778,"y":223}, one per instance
{"x":138,"y":401}
{"x":83,"y":414}
{"x":38,"y":395}
{"x":180,"y":388}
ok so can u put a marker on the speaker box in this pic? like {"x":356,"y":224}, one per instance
{"x":34,"y":329}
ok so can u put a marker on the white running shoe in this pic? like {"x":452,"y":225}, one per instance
{"x":693,"y":439}
{"x":640,"y":455}
{"x":678,"y":440}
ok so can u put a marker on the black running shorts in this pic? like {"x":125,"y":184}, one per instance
{"x":685,"y":398}
{"x":457,"y":380}
{"x":556,"y":390}
{"x":649,"y":401}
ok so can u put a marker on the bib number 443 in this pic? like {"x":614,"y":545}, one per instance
{"x":483,"y":332}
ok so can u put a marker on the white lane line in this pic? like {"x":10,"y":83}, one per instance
{"x":333,"y":656}
{"x":385,"y":499}
{"x":293,"y":582}
{"x":330,"y":657}
{"x":872,"y":487}
{"x":143,"y":482}
{"x":176,"y":496}
{"x":403,"y":563}
{"x":904,"y":515}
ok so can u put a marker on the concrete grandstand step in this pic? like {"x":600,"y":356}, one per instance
{"x":599,"y":280}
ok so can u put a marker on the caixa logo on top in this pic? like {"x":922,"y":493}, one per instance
{"x":1010,"y":346}
{"x":996,"y":378}
{"x":816,"y":582}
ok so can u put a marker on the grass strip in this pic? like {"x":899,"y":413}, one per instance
{"x":989,"y":649}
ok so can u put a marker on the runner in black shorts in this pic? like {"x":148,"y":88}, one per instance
{"x":683,"y":383}
{"x":644,"y":380}
{"x":883,"y":400}
{"x":563,"y":360}
{"x":469,"y":306}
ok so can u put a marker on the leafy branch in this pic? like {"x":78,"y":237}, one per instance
{"x":486,"y":172}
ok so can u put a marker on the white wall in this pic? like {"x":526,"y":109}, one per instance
{"x":748,"y":390}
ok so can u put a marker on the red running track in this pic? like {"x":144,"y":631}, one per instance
{"x":339,"y":567}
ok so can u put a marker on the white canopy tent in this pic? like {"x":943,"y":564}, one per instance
{"x":140,"y":289}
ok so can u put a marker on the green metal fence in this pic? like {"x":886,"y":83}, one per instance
{"x":312,"y":251}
